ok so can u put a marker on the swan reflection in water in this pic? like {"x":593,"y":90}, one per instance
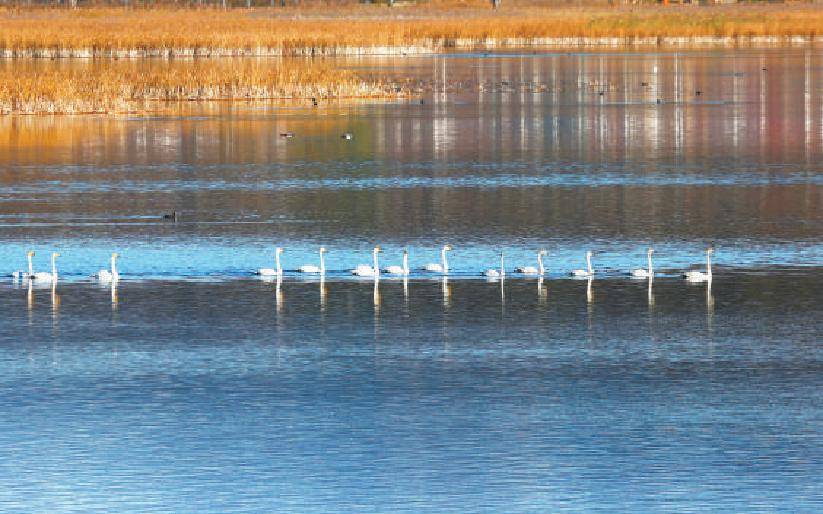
{"x":542,"y":291}
{"x":278,"y":293}
{"x":447,"y":291}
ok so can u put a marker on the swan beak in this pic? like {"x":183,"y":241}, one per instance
{"x":56,"y":255}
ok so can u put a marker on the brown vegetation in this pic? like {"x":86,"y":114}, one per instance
{"x":347,"y":28}
{"x":26,"y":88}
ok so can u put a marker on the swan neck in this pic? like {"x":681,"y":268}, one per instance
{"x":650,"y":264}
{"x":53,"y":266}
{"x":31,"y":266}
{"x":277,"y":261}
{"x":406,"y":263}
{"x":589,"y":263}
{"x":322,"y":264}
{"x":376,"y":266}
{"x":540,"y":263}
{"x":114,"y":266}
{"x":708,"y":263}
{"x":444,"y":260}
{"x":502,"y":266}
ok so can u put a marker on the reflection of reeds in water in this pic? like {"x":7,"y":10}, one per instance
{"x":317,"y":30}
{"x":124,"y":87}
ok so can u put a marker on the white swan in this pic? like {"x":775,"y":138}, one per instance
{"x":268,"y":272}
{"x":43,"y":276}
{"x":589,"y":271}
{"x":20,"y":275}
{"x":105,"y":275}
{"x":443,"y":267}
{"x":364,"y":270}
{"x":311,"y":268}
{"x":531,"y":270}
{"x":644,"y":273}
{"x":493,"y":273}
{"x":399,"y":270}
{"x":700,"y":276}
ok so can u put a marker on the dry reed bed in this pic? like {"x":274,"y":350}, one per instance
{"x":348,"y":29}
{"x":124,"y":87}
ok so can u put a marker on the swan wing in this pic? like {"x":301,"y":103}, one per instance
{"x":266,"y":272}
{"x":433,"y":267}
{"x":309,"y":268}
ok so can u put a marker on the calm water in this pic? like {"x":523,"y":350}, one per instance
{"x":194,"y":387}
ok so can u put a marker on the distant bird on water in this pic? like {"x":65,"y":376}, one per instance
{"x":171,"y":217}
{"x":347,"y":136}
{"x":287,"y":135}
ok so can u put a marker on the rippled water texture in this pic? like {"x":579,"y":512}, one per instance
{"x":193,"y":386}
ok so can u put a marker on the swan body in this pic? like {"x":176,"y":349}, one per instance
{"x":43,"y":276}
{"x":589,"y":271}
{"x":269,"y":272}
{"x":399,"y":270}
{"x":311,"y":268}
{"x":700,"y":276}
{"x":443,"y":267}
{"x":105,"y":275}
{"x":647,"y":272}
{"x":531,"y":270}
{"x":20,"y":275}
{"x":364,"y":270}
{"x":493,"y":273}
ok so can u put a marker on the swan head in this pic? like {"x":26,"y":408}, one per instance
{"x":115,"y":255}
{"x":323,"y":249}
{"x":405,"y":252}
{"x":55,"y":255}
{"x":278,"y":250}
{"x":589,"y":253}
{"x":650,"y":251}
{"x":543,"y":252}
{"x":30,"y":253}
{"x":377,"y":249}
{"x":447,"y":248}
{"x":710,"y":250}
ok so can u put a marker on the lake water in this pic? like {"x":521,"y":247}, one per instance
{"x":193,"y":386}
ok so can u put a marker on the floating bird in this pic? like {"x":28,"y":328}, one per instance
{"x":443,"y":267}
{"x":493,"y":273}
{"x":20,"y":275}
{"x":364,"y":270}
{"x":287,"y":135}
{"x":347,"y":136}
{"x":171,"y":217}
{"x":314,"y":101}
{"x":644,"y":273}
{"x":268,"y":272}
{"x":399,"y":270}
{"x":105,"y":275}
{"x":311,"y":268}
{"x":43,"y":276}
{"x":589,"y":271}
{"x":700,"y":276}
{"x":531,"y":270}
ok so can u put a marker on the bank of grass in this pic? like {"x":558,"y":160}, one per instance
{"x":349,"y":28}
{"x":117,"y":87}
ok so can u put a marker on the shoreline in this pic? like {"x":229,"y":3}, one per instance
{"x":426,"y":48}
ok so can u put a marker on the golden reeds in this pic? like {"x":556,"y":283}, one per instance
{"x":356,"y":28}
{"x":129,"y":86}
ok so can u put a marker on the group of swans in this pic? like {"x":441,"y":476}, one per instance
{"x":39,"y":276}
{"x":374,"y":270}
{"x":104,"y":275}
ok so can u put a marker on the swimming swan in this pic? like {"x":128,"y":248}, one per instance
{"x":399,"y":270}
{"x":105,"y":275}
{"x":493,"y":273}
{"x":268,"y":272}
{"x":589,"y":271}
{"x":364,"y":270}
{"x":700,"y":276}
{"x":644,"y":273}
{"x":20,"y":275}
{"x":311,"y":268}
{"x":531,"y":270}
{"x":43,"y":276}
{"x":443,"y":267}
